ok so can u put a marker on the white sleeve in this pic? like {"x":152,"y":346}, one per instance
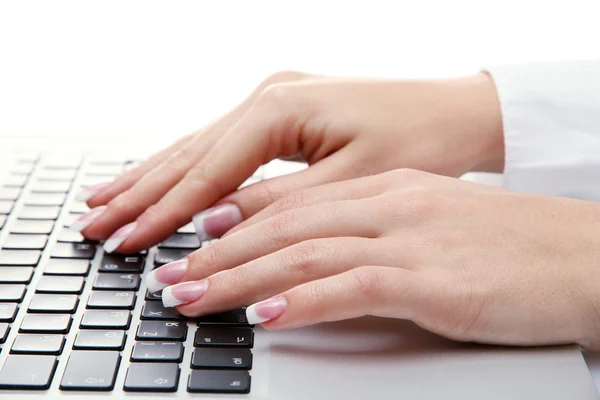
{"x":551,"y":120}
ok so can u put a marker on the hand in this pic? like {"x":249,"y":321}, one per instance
{"x":344,"y":128}
{"x":466,"y":261}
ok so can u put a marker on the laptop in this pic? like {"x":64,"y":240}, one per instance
{"x":76,"y":323}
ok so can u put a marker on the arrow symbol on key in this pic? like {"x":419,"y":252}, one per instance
{"x":91,"y":380}
{"x":161,"y":381}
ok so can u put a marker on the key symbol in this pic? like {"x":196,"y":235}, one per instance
{"x":240,"y":339}
{"x":237,"y":361}
{"x":235,"y":383}
{"x":207,"y":340}
{"x":131,"y":259}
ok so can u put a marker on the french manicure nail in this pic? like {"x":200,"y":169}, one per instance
{"x":91,"y":191}
{"x":183,"y":293}
{"x":86,"y":219}
{"x":166,"y":275}
{"x":113,"y":242}
{"x":266,"y":310}
{"x":214,"y":222}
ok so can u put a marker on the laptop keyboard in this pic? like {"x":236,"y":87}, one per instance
{"x":75,"y":318}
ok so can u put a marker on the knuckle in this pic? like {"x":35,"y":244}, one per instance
{"x":153,"y":215}
{"x":291,"y":201}
{"x":282,"y":76}
{"x":122,"y":205}
{"x":366,"y":281}
{"x":205,"y":260}
{"x":405,"y":175}
{"x":280,"y":228}
{"x":304,"y":257}
{"x":180,"y":160}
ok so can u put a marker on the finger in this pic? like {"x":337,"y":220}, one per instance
{"x":379,"y":291}
{"x":275,"y":273}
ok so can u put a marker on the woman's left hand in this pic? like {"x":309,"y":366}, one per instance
{"x":466,"y":261}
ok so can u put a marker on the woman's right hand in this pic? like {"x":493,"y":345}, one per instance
{"x":344,"y":128}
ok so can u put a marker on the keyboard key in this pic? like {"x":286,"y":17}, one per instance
{"x":79,"y":207}
{"x":24,"y":168}
{"x":53,"y":303}
{"x":15,"y":274}
{"x":39,"y":212}
{"x":16,"y":180}
{"x":157,"y":352}
{"x":50,"y":175}
{"x":46,"y":323}
{"x":188,"y":228}
{"x":156,"y":296}
{"x":8,"y":312}
{"x":155,"y":310}
{"x":91,"y":370}
{"x":112,"y":300}
{"x":2,"y":221}
{"x":100,"y":319}
{"x":234,"y":317}
{"x":10,"y":194}
{"x":74,"y":250}
{"x":70,"y":218}
{"x":223,"y":337}
{"x":6,"y":206}
{"x":50,"y":186}
{"x":57,"y":266}
{"x":165,"y":256}
{"x":45,"y":199}
{"x":117,"y":282}
{"x":181,"y":241}
{"x":60,"y":162}
{"x":162,"y":330}
{"x":4,"y":331}
{"x":221,"y":358}
{"x":100,"y":340}
{"x":60,"y":284}
{"x":25,"y":242}
{"x":70,"y":236}
{"x":152,"y":377}
{"x":121,"y":263}
{"x":33,"y":226}
{"x":19,"y":257}
{"x":38,"y":344}
{"x":26,"y":372}
{"x":201,"y":381}
{"x":12,"y":293}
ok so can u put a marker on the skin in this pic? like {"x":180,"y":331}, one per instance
{"x":357,"y":233}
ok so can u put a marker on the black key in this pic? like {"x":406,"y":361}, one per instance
{"x":101,"y":319}
{"x":162,"y":330}
{"x":152,"y":377}
{"x":234,"y":317}
{"x":223,"y":337}
{"x":2,"y":221}
{"x":46,"y":323}
{"x":16,"y":180}
{"x":53,"y":303}
{"x":100,"y":340}
{"x":57,"y":266}
{"x":33,"y":226}
{"x":112,"y":300}
{"x":4,"y":331}
{"x":50,"y":175}
{"x":6,"y":206}
{"x":60,"y":284}
{"x":9,"y":194}
{"x":25,"y":242}
{"x":201,"y":381}
{"x":39,"y":212}
{"x":155,"y":310}
{"x":15,"y":274}
{"x":50,"y":186}
{"x":12,"y":293}
{"x":222,"y":358}
{"x":181,"y":241}
{"x":91,"y":370}
{"x":117,"y":282}
{"x":19,"y":257}
{"x":157,"y":352}
{"x":26,"y":372}
{"x":156,"y":296}
{"x":121,"y":263}
{"x":165,"y":256}
{"x":45,"y":199}
{"x":38,"y":344}
{"x":70,"y":236}
{"x":8,"y":312}
{"x":79,"y":207}
{"x":74,"y":250}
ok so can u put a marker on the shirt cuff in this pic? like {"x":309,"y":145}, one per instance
{"x":551,"y":121}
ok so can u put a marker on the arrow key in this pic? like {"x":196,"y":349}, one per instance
{"x":91,"y":370}
{"x":152,"y":377}
{"x":27,"y":372}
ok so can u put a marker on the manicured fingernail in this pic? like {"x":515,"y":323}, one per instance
{"x":215,"y":221}
{"x":91,"y":191}
{"x":86,"y":219}
{"x":183,"y":293}
{"x":266,"y":310}
{"x":166,"y":275}
{"x":113,"y":242}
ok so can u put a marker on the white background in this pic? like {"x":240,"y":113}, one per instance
{"x":149,"y":68}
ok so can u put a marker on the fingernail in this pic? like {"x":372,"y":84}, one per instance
{"x":166,"y":275}
{"x":113,"y":242}
{"x":215,"y":221}
{"x":266,"y":310}
{"x":91,"y":191}
{"x":86,"y":219}
{"x":183,"y":293}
